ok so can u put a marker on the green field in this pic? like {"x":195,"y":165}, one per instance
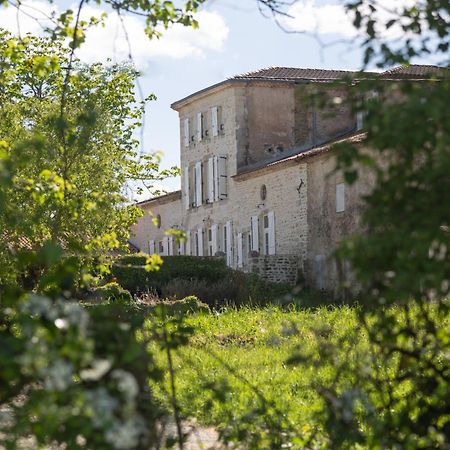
{"x":234,"y":374}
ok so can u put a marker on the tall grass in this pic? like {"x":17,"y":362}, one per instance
{"x":234,"y":372}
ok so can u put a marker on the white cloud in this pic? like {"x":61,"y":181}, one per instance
{"x":331,"y":18}
{"x":33,"y":17}
{"x":115,"y":39}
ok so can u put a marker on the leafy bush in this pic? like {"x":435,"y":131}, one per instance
{"x":131,"y":274}
{"x":113,"y":292}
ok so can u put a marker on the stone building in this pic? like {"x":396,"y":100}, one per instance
{"x":257,"y":180}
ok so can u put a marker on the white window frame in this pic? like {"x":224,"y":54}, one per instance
{"x":151,"y":247}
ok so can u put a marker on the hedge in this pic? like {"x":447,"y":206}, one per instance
{"x":130,"y":273}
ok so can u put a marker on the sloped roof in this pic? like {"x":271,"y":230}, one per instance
{"x":416,"y":71}
{"x":294,"y":159}
{"x":161,"y":199}
{"x":298,"y":74}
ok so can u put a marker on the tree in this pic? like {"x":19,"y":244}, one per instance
{"x":396,"y":394}
{"x":66,"y":150}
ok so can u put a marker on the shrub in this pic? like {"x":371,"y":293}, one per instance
{"x":112,"y":292}
{"x":174,"y":307}
{"x":213,"y":294}
{"x":131,"y":274}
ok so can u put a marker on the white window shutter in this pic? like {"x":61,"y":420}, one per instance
{"x":240,"y":261}
{"x":216,"y":178}
{"x":360,"y":120}
{"x":199,"y":126}
{"x":229,"y":249}
{"x":188,"y":243}
{"x":187,"y":138}
{"x":165,"y":251}
{"x":198,"y":183}
{"x":215,"y":120}
{"x":200,"y":241}
{"x":223,"y":182}
{"x":214,"y":239}
{"x":271,"y":217}
{"x":211,"y":179}
{"x":340,"y":197}
{"x":186,"y":187}
{"x":255,"y":235}
{"x":181,"y":245}
{"x":151,"y":247}
{"x":170,"y":245}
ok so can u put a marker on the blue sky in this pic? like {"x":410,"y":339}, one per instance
{"x":234,"y":37}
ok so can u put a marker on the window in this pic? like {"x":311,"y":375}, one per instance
{"x":160,"y":248}
{"x":225,"y":243}
{"x":151,"y":247}
{"x":158,"y":221}
{"x":210,"y":243}
{"x":340,"y":197}
{"x":263,"y":192}
{"x":222,"y":177}
{"x":199,"y":126}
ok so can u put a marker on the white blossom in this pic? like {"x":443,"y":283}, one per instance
{"x":125,"y":435}
{"x":126,"y":383}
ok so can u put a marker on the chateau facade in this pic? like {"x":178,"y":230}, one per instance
{"x":258,"y":180}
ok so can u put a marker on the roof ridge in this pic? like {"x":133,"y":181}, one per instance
{"x":305,"y":69}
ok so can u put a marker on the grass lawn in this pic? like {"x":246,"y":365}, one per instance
{"x":234,"y":373}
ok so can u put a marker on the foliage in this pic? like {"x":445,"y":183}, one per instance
{"x":84,"y":375}
{"x":173,"y":307}
{"x":401,"y":393}
{"x":130,"y":271}
{"x":72,"y":376}
{"x":112,"y":292}
{"x":233,"y":373}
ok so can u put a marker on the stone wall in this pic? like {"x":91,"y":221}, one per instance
{"x":170,"y":211}
{"x":327,"y":227}
{"x":275,"y":268}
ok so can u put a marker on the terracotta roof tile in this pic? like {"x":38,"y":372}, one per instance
{"x":416,"y":71}
{"x":294,"y":73}
{"x":354,"y":139}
